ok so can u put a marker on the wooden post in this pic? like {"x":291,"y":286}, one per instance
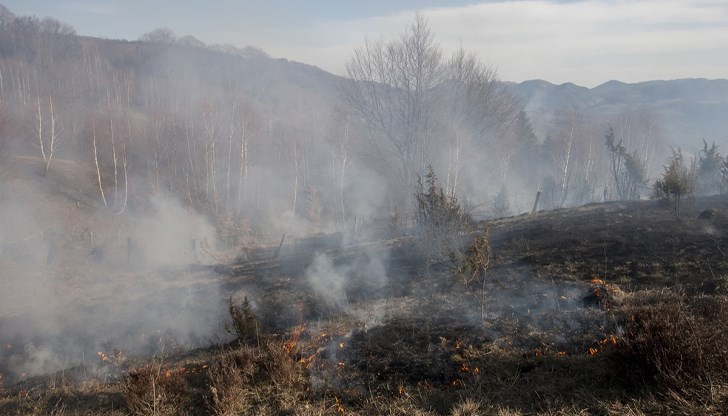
{"x":51,"y":255}
{"x":193,"y":250}
{"x":278,"y":250}
{"x":535,"y":203}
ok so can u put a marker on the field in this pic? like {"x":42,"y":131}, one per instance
{"x":615,"y":308}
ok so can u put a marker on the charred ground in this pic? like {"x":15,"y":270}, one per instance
{"x":591,"y":310}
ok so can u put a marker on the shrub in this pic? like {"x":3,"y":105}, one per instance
{"x":439,"y":218}
{"x":675,"y":342}
{"x":677,"y":181}
{"x":244,"y":322}
{"x":255,"y":380}
{"x":150,"y":390}
{"x":472,"y":265}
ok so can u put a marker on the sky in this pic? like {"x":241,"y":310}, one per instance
{"x":587,"y":42}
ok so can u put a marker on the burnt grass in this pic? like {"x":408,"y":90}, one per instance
{"x":589,"y":310}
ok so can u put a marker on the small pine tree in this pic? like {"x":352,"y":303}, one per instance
{"x":439,"y":218}
{"x":244,"y":323}
{"x":677,"y":181}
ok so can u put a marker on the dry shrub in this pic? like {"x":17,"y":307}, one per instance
{"x":256,"y":380}
{"x":151,"y":390}
{"x":468,"y":407}
{"x":676,"y":342}
{"x":244,"y":323}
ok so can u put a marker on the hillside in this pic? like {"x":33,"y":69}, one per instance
{"x":687,"y":109}
{"x":374,"y":326}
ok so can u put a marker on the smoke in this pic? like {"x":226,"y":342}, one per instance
{"x":165,"y":234}
{"x":343,"y":284}
{"x":70,"y":288}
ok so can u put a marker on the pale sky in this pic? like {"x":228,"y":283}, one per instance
{"x":585,"y":42}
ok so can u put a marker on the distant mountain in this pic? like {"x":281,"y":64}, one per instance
{"x":687,"y":109}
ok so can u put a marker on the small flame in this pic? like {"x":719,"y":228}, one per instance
{"x":167,"y":373}
{"x":341,"y":345}
{"x":610,"y":340}
{"x":458,"y":344}
{"x":339,"y":407}
{"x":401,"y":390}
{"x":464,"y":368}
{"x":561,"y":353}
{"x":475,"y":372}
{"x":593,"y":351}
{"x":102,"y":356}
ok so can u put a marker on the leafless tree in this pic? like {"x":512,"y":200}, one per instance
{"x":391,"y":86}
{"x":46,"y":131}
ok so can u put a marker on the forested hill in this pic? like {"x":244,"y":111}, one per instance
{"x":686,"y":109}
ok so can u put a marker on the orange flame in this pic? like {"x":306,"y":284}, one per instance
{"x":598,"y":281}
{"x":339,"y":407}
{"x":401,"y":390}
{"x":610,"y":340}
{"x":458,"y":344}
{"x":475,"y":372}
{"x":167,"y":374}
{"x":593,"y":351}
{"x":294,"y":338}
{"x":341,"y":345}
{"x":464,"y":368}
{"x":102,"y":356}
{"x":561,"y":353}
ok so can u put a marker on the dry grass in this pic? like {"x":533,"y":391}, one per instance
{"x":152,"y":390}
{"x":256,"y":380}
{"x":678,"y":344}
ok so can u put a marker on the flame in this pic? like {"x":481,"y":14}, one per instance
{"x":456,"y":382}
{"x":598,"y":281}
{"x":308,"y":361}
{"x":102,"y":356}
{"x":475,"y":372}
{"x":610,"y":340}
{"x":339,"y":407}
{"x":464,"y":368}
{"x":167,"y":374}
{"x":537,"y":352}
{"x":401,"y":390}
{"x":458,"y":344}
{"x":561,"y":353}
{"x":294,"y":338}
{"x":341,"y":345}
{"x":593,"y":351}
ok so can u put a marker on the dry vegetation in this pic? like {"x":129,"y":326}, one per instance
{"x":606,"y":309}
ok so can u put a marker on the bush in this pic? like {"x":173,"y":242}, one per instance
{"x":675,"y":342}
{"x":150,"y":390}
{"x":245,"y":323}
{"x":256,"y":380}
{"x":439,"y":218}
{"x":677,"y":181}
{"x":472,"y":265}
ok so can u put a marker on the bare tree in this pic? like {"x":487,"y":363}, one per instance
{"x":46,"y":131}
{"x":391,"y":86}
